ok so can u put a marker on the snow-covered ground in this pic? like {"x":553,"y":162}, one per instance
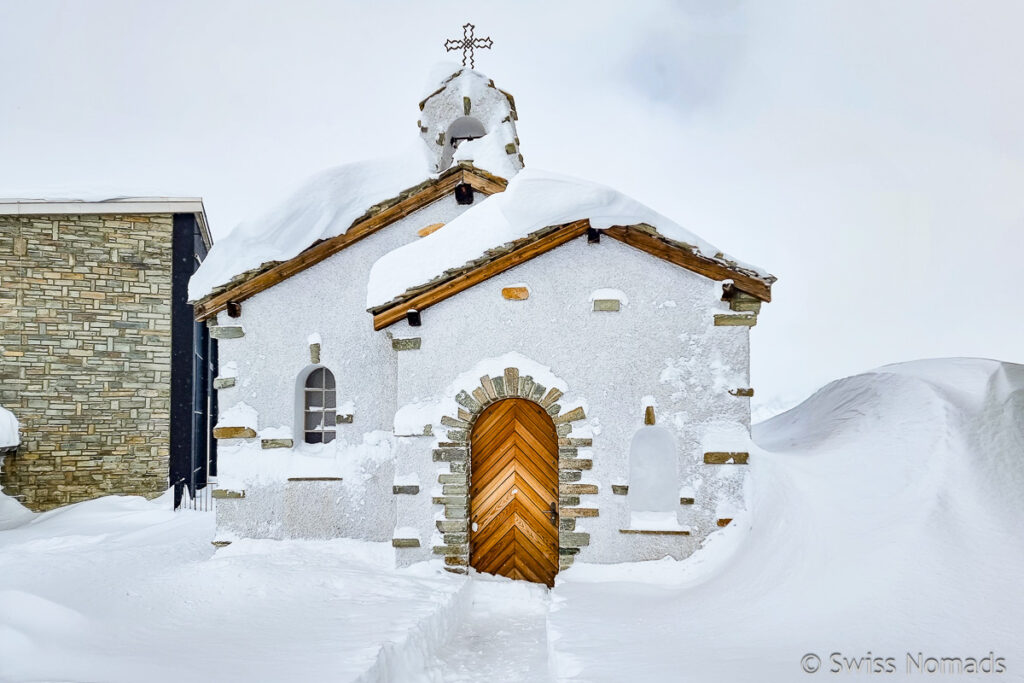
{"x":883,"y":530}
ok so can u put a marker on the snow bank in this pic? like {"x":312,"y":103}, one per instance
{"x":533,"y":200}
{"x":9,"y":429}
{"x":885,"y":517}
{"x":103,"y":590}
{"x":325,"y":206}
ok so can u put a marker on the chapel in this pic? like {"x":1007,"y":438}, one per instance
{"x":502,"y":368}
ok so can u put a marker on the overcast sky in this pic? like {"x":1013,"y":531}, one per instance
{"x":870,"y":153}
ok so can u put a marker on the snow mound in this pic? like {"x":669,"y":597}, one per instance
{"x":9,"y":429}
{"x":325,"y":206}
{"x":533,"y":200}
{"x":885,"y":516}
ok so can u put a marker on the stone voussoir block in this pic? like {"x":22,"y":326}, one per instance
{"x":512,"y":381}
{"x":470,"y":403}
{"x":571,"y":416}
{"x":452,"y":422}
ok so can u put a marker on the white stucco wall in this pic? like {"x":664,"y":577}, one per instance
{"x":662,"y":346}
{"x":328,"y":300}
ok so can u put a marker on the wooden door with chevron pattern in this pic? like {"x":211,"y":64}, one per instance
{"x":514,"y":492}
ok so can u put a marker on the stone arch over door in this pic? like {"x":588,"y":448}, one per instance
{"x":454,"y":475}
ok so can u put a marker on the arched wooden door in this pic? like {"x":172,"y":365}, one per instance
{"x":514,"y":492}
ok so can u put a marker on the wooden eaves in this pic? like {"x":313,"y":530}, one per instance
{"x":384,"y":214}
{"x":497,"y":261}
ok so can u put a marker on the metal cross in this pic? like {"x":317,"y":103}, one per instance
{"x":467,"y":44}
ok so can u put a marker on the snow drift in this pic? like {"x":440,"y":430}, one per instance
{"x":884,"y":524}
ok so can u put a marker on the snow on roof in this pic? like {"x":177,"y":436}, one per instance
{"x":9,"y":435}
{"x":533,"y":200}
{"x":325,"y":206}
{"x":330,"y":202}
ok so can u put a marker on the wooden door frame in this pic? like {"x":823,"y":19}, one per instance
{"x":454,"y":464}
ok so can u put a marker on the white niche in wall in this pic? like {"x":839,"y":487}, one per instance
{"x":653,"y":480}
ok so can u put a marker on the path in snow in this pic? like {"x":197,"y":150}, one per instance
{"x":501,"y":636}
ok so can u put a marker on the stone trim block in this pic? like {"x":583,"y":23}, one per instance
{"x":576,"y":489}
{"x":226,"y":331}
{"x":724,"y":521}
{"x":451,"y":526}
{"x":686,"y":501}
{"x":726,"y":458}
{"x":577,"y":512}
{"x":574,"y":464}
{"x":314,"y":354}
{"x":234,"y":433}
{"x":221,"y":494}
{"x":744,"y":392}
{"x":574,"y":539}
{"x":652,"y":532}
{"x":738,"y":320}
{"x":409,"y":490}
{"x":314,"y":478}
{"x":405,"y":543}
{"x":515,"y":293}
{"x":609,"y":305}
{"x":344,"y":419}
{"x":276,"y":443}
{"x":406,"y":344}
{"x":620,"y":489}
{"x":223,"y":382}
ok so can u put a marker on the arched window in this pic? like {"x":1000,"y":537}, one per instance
{"x":465,"y":128}
{"x":319,"y":414}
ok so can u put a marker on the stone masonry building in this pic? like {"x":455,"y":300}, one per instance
{"x":99,"y":357}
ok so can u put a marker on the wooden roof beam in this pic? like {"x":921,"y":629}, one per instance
{"x":762,"y":289}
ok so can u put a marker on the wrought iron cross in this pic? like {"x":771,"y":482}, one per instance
{"x":468,"y":44}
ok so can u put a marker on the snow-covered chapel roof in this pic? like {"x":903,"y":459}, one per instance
{"x":538,"y":209}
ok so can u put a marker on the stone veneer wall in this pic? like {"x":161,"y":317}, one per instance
{"x":85,"y":353}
